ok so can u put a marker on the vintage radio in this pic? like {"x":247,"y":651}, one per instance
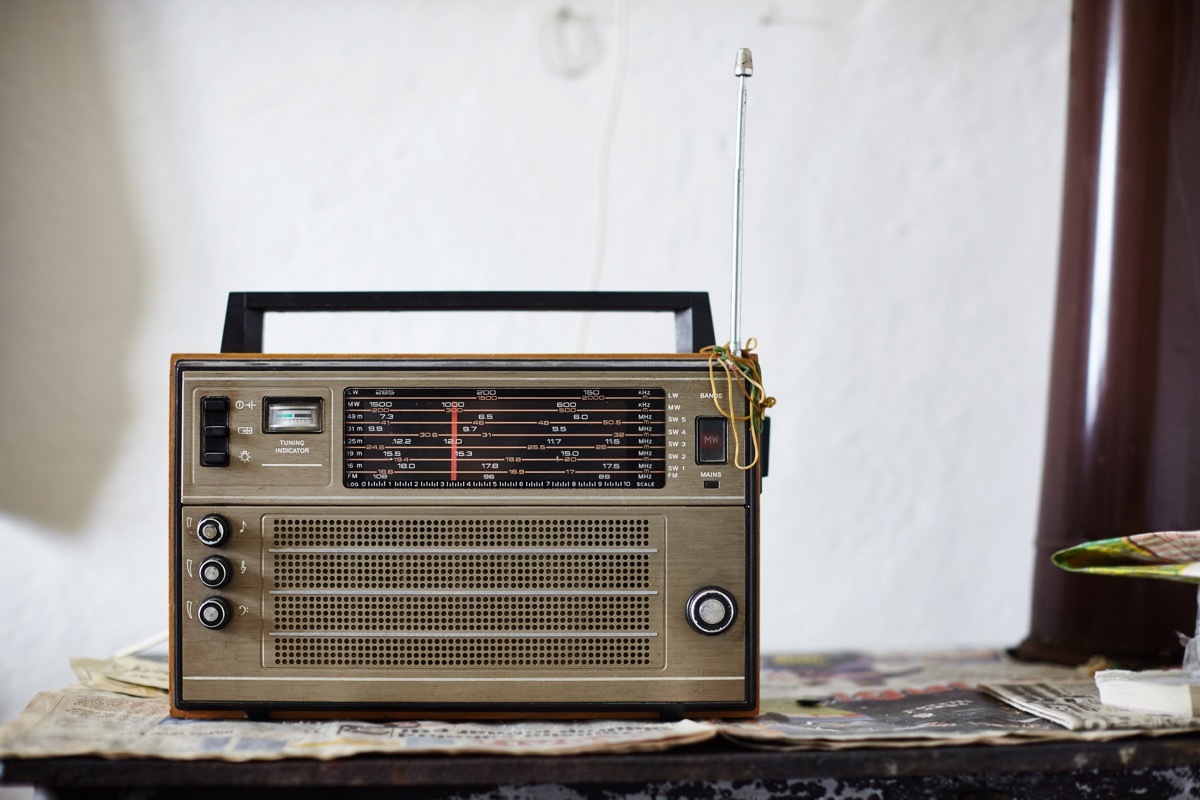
{"x":469,"y":535}
{"x":463,"y":535}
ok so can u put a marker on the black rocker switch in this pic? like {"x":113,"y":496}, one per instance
{"x":214,"y":431}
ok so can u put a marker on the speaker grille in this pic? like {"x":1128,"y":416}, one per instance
{"x":456,"y":570}
{"x":498,"y":591}
{"x":465,"y":652}
{"x":460,"y":532}
{"x":524,"y":614}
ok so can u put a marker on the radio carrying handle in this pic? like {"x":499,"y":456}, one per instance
{"x":244,"y":313}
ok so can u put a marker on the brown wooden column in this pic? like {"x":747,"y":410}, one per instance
{"x":1123,"y":435}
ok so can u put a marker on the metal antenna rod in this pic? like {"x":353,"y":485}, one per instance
{"x":743,"y":69}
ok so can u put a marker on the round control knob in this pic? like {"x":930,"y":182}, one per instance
{"x":214,"y":571}
{"x":710,"y":610}
{"x":214,"y":612}
{"x":213,"y":530}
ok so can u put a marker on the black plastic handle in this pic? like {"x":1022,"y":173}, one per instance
{"x":244,"y":314}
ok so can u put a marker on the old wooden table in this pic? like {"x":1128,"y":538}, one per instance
{"x":1165,"y":767}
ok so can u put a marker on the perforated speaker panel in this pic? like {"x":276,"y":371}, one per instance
{"x":432,"y":591}
{"x":344,"y":612}
{"x":463,"y":652}
{"x":345,"y":570}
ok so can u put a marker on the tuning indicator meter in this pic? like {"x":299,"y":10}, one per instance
{"x":504,"y":438}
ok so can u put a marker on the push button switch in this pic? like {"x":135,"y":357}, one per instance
{"x":711,"y":440}
{"x":214,"y":432}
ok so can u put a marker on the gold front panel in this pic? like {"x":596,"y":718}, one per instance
{"x":353,"y":589}
{"x":495,"y":605}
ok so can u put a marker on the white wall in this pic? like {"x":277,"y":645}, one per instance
{"x":902,"y":195}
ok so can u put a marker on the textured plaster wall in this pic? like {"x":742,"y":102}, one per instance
{"x":902,"y":196}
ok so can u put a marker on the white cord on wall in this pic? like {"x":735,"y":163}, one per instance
{"x":604,"y":158}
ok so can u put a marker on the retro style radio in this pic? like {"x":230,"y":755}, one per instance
{"x":463,"y":535}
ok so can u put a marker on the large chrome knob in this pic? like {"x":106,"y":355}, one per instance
{"x":710,"y":610}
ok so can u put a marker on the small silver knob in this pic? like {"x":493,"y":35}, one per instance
{"x":214,"y":571}
{"x":214,"y":612}
{"x":213,"y":530}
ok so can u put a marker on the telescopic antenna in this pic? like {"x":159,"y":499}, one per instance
{"x":743,"y":69}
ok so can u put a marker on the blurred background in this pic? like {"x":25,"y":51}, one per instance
{"x":903,"y":186}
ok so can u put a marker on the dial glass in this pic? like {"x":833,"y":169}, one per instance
{"x":506,"y":437}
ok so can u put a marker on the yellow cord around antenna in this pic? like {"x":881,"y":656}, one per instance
{"x":744,"y":370}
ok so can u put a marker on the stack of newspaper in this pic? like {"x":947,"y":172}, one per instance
{"x":829,"y":701}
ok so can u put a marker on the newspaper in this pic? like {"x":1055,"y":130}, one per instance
{"x":1076,"y":706}
{"x":844,"y":700}
{"x":130,"y":675}
{"x":79,"y":721}
{"x":830,"y":701}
